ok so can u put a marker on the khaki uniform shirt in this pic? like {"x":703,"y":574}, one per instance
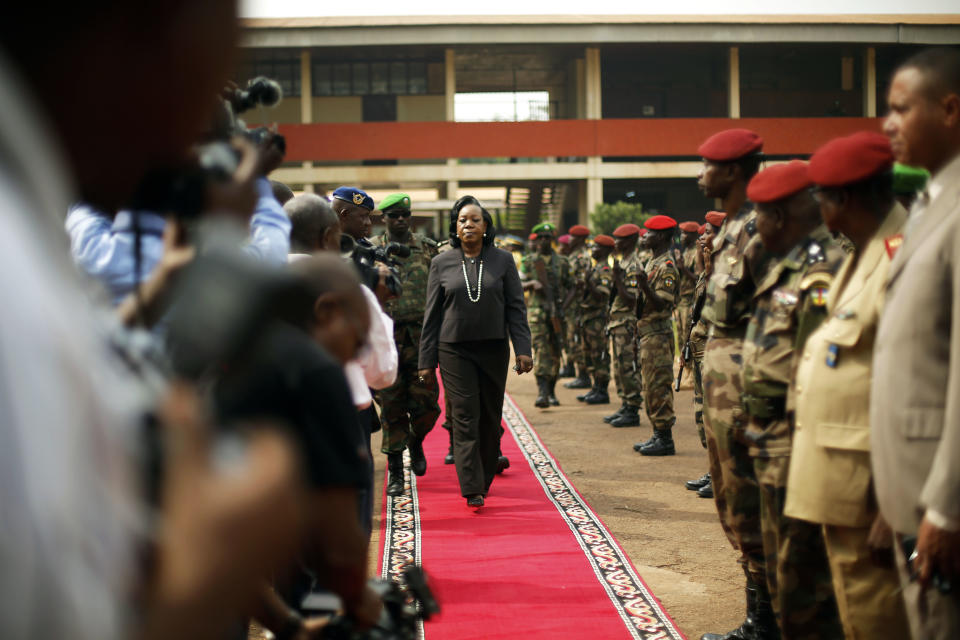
{"x":830,"y":479}
{"x":622,"y":313}
{"x":790,"y":302}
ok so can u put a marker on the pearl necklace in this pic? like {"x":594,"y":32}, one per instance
{"x":463,"y":264}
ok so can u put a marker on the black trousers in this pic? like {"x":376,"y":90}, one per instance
{"x":474,"y":377}
{"x":368,"y":418}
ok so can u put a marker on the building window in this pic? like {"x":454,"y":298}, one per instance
{"x":372,"y":78}
{"x":280,"y":65}
{"x":507,"y":106}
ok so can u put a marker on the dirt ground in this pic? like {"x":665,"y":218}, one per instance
{"x":671,"y":535}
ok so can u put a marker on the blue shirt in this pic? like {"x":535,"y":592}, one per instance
{"x":105,"y":249}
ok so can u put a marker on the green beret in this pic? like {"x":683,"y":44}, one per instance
{"x":544,"y":228}
{"x":908,"y":180}
{"x":395,"y":201}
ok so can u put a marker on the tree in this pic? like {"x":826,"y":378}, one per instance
{"x":607,"y":217}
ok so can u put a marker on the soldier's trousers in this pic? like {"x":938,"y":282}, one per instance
{"x":798,"y":574}
{"x":656,"y":372}
{"x":867,"y":591}
{"x":626,"y":372}
{"x":683,"y":320}
{"x":546,"y":349}
{"x":573,"y":344}
{"x":735,"y":488}
{"x":596,"y":352}
{"x":698,"y":398}
{"x":408,"y":408}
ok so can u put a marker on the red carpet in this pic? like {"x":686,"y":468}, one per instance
{"x":535,"y":562}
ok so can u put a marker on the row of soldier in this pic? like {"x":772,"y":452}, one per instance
{"x":780,"y":296}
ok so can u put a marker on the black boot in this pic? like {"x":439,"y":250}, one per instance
{"x":552,"y":392}
{"x":542,"y":402}
{"x":600,"y":395}
{"x":747,"y":630}
{"x":395,"y":471}
{"x":765,"y":621}
{"x":640,"y":445}
{"x":661,"y":445}
{"x":418,"y":461}
{"x":629,"y":418}
{"x":449,"y":457}
{"x":567,"y":371}
{"x":589,"y":394}
{"x":695,"y":485}
{"x":582,"y":381}
{"x":613,"y":416}
{"x":706,"y":491}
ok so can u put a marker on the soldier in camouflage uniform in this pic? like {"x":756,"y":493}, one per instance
{"x":594,"y":310}
{"x":730,"y":159}
{"x":622,"y":327}
{"x":409,"y":409}
{"x":686,"y":261}
{"x":790,"y":305}
{"x":698,"y":339}
{"x":659,"y":285}
{"x":543,"y":310}
{"x":580,"y":268}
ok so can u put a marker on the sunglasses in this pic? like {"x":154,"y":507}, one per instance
{"x":396,"y":215}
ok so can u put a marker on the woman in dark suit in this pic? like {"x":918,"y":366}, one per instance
{"x":474,"y":298}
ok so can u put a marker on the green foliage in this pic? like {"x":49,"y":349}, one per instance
{"x":608,"y":217}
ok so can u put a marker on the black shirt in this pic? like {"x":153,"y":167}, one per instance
{"x":289,"y":379}
{"x":451,"y":316}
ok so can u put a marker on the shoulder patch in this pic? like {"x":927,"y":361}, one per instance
{"x":892,"y":243}
{"x":818,"y":296}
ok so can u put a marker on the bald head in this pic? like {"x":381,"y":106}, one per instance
{"x":315,"y":227}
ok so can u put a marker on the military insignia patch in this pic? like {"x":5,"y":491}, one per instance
{"x":632,"y":282}
{"x":668,"y":281}
{"x":785,"y":298}
{"x":818,"y":296}
{"x":893,"y":243}
{"x":357,"y":199}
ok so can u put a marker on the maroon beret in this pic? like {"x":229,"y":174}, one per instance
{"x":730,"y":145}
{"x":702,"y":229}
{"x":564,"y":239}
{"x":579,"y":230}
{"x":851,"y":159}
{"x":779,"y":181}
{"x":605,"y":241}
{"x":689,"y":227}
{"x":660,"y":223}
{"x":716,"y":218}
{"x":626,"y":230}
{"x":532,"y":236}
{"x":643,"y":232}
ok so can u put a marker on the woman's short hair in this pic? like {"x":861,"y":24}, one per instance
{"x":488,"y":235}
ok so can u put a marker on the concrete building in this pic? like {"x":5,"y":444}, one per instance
{"x":371,"y":101}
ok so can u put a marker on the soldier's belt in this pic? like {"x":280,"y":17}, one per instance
{"x":765,"y":407}
{"x":657,"y":326}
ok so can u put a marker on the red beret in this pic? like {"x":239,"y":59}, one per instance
{"x":579,"y":230}
{"x":730,"y":145}
{"x":626,"y":230}
{"x":716,"y":218}
{"x":851,"y":159}
{"x":779,"y":181}
{"x":660,"y":223}
{"x":604,"y":241}
{"x":689,"y":227}
{"x":702,"y":229}
{"x":564,"y":239}
{"x":643,"y":232}
{"x":532,"y":236}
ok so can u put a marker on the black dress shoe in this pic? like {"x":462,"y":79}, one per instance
{"x":662,"y":445}
{"x":706,"y":491}
{"x":448,"y":459}
{"x":503,"y":463}
{"x":475,"y":501}
{"x":418,"y":461}
{"x":696,"y":485}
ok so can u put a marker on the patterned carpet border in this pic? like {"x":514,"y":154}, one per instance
{"x":640,"y":611}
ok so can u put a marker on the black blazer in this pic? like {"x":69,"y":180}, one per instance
{"x":450,"y":316}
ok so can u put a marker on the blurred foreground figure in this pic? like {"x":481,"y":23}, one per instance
{"x":914,"y":413}
{"x":72,"y":508}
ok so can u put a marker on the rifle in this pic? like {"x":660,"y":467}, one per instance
{"x":686,"y":354}
{"x":550,"y":300}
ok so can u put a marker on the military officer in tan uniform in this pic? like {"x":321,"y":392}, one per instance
{"x":790,"y":304}
{"x":830,"y":481}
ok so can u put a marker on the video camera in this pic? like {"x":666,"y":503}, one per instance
{"x":404,"y":606}
{"x":366,"y":255}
